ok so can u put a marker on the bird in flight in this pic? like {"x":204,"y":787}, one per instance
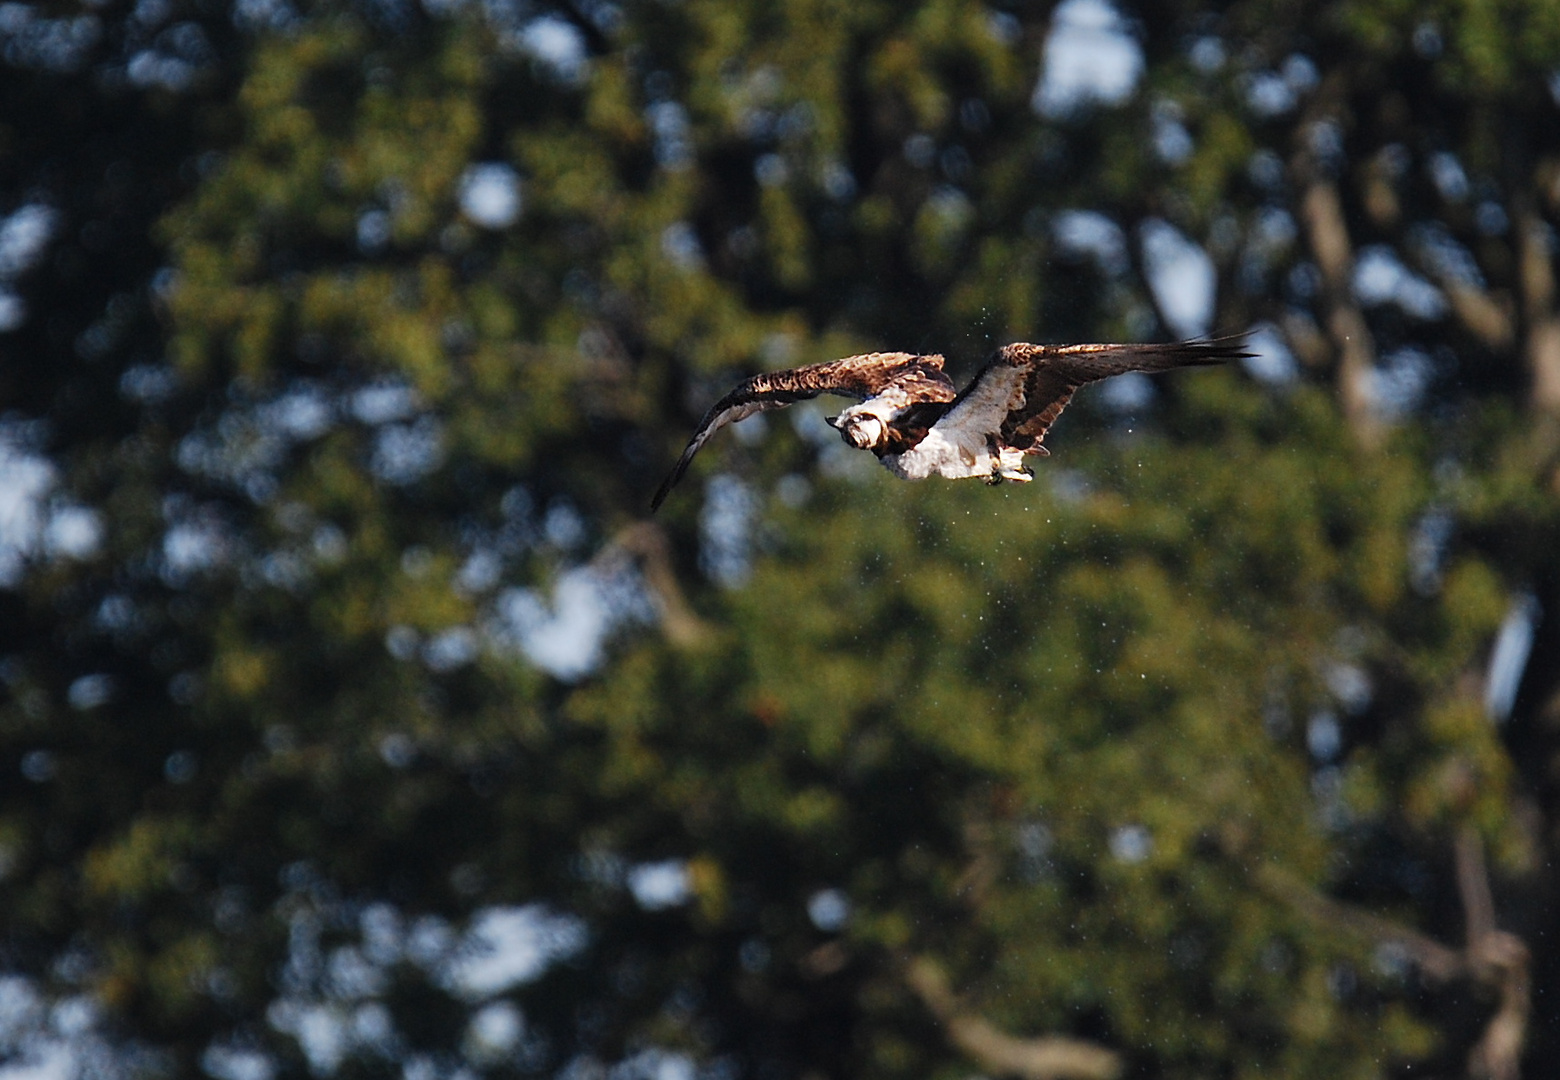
{"x":909,"y":414}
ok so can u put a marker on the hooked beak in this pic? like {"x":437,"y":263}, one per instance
{"x":832,"y":421}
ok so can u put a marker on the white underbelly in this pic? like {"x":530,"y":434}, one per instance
{"x":938,"y":455}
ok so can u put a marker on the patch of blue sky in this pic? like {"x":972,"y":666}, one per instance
{"x":1381,"y":278}
{"x":1181,"y":276}
{"x":1091,"y":58}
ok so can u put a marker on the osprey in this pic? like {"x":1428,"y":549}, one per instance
{"x":910,"y":416}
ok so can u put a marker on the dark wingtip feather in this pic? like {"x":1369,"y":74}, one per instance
{"x":660,"y":494}
{"x":680,"y":468}
{"x":670,"y":482}
{"x":1212,"y":350}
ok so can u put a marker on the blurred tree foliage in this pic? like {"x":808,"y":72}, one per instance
{"x":356,"y":721}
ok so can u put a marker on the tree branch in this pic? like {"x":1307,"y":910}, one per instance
{"x":1496,"y":958}
{"x":1486,"y":315}
{"x":1305,"y":338}
{"x":1050,"y":1057}
{"x":1436,"y":961}
{"x":1493,"y":957}
{"x":1473,"y":884}
{"x":1536,"y":276}
{"x":646,"y":543}
{"x":1327,"y":233}
{"x":1320,"y":210}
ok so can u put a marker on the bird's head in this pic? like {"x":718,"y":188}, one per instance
{"x":864,"y":430}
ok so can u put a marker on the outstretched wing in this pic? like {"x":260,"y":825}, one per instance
{"x":903,"y":379}
{"x":1021,"y":392}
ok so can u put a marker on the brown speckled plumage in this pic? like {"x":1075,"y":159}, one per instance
{"x":919,"y":398}
{"x":916,"y":378}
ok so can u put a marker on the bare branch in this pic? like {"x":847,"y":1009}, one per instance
{"x":1049,"y":1057}
{"x":1436,"y":961}
{"x":1327,"y":234}
{"x":1378,"y":191}
{"x":1493,"y":957}
{"x":1536,"y":275}
{"x":1305,"y":338}
{"x":646,"y":543}
{"x":1480,"y":312}
{"x":1473,"y":884}
{"x":1485,"y":314}
{"x":1498,"y":1053}
{"x":1496,"y":958}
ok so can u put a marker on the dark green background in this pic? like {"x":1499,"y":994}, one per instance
{"x":1063,"y":748}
